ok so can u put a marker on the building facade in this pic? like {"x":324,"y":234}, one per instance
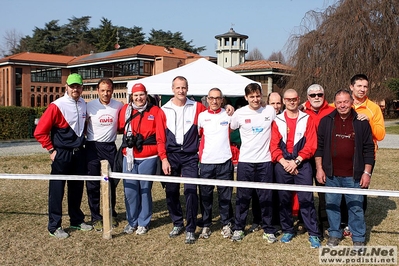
{"x":35,"y":80}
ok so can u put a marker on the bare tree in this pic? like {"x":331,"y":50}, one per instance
{"x":277,"y":57}
{"x":12,"y":40}
{"x":255,"y":54}
{"x":347,"y":38}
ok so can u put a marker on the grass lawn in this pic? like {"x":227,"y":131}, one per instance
{"x":392,"y":129}
{"x":25,"y":240}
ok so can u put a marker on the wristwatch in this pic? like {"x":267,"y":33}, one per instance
{"x":51,"y":151}
{"x":367,"y":173}
{"x":297,"y":161}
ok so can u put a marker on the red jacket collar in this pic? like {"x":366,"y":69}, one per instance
{"x":214,"y":112}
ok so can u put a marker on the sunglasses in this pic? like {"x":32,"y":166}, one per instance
{"x":316,"y":94}
{"x":294,"y":100}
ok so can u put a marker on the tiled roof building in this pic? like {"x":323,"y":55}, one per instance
{"x":34,"y":79}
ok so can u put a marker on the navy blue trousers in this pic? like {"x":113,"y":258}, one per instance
{"x":97,"y":151}
{"x":254,"y":172}
{"x":66,"y":162}
{"x":185,"y":165}
{"x":306,"y":201}
{"x":256,"y":212}
{"x":223,"y":171}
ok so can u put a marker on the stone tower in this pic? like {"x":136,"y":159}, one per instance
{"x":231,"y":48}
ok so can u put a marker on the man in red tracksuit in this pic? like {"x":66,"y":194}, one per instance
{"x":293,"y":143}
{"x":61,"y":132}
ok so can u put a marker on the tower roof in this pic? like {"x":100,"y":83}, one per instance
{"x":231,"y":33}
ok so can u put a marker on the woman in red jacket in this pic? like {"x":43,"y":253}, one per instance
{"x":137,"y":120}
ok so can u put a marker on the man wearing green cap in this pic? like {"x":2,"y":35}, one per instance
{"x":61,"y":131}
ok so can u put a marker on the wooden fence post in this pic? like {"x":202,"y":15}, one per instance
{"x":106,"y":200}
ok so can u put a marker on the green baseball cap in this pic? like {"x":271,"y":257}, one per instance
{"x":74,"y":78}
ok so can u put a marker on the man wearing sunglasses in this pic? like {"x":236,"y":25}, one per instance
{"x":317,"y":107}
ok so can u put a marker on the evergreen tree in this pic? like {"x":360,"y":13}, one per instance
{"x":175,"y":40}
{"x":106,"y":36}
{"x":130,"y":37}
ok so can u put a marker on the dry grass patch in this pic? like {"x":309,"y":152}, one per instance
{"x":25,"y":240}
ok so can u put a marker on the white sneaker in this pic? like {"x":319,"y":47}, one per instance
{"x":59,"y":233}
{"x":206,"y":233}
{"x":141,"y":230}
{"x":129,"y":229}
{"x":226,"y":231}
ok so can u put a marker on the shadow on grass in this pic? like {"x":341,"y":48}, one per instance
{"x":23,"y":213}
{"x":377,"y":212}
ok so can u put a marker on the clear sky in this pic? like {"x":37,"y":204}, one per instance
{"x":268,"y":23}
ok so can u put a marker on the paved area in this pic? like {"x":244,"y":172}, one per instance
{"x":28,"y":147}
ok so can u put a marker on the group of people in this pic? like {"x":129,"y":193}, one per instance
{"x":332,"y":144}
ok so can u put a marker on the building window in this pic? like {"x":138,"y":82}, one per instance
{"x":39,"y":100}
{"x":45,"y":100}
{"x":18,"y":76}
{"x":32,"y":100}
{"x":50,"y":75}
{"x":121,"y":69}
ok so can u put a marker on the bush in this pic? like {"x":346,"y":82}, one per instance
{"x":17,"y":122}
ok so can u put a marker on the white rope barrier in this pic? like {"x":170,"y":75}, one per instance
{"x":49,"y":177}
{"x":214,"y":182}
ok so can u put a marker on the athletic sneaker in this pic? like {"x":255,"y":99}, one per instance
{"x":314,"y":241}
{"x":206,"y":233}
{"x":59,"y":233}
{"x":129,"y":229}
{"x":358,"y":247}
{"x":271,"y":238}
{"x":287,"y":237}
{"x":333,"y":242}
{"x":98,"y":225}
{"x":254,"y":227}
{"x":226,"y":231}
{"x":177,"y":230}
{"x":238,"y":235}
{"x":141,"y":230}
{"x":190,"y":238}
{"x":82,"y":227}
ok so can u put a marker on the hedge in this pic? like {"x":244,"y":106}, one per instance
{"x":18,"y":122}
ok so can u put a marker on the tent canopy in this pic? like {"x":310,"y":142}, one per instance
{"x":202,"y":75}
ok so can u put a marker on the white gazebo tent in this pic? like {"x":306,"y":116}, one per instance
{"x":202,"y":75}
